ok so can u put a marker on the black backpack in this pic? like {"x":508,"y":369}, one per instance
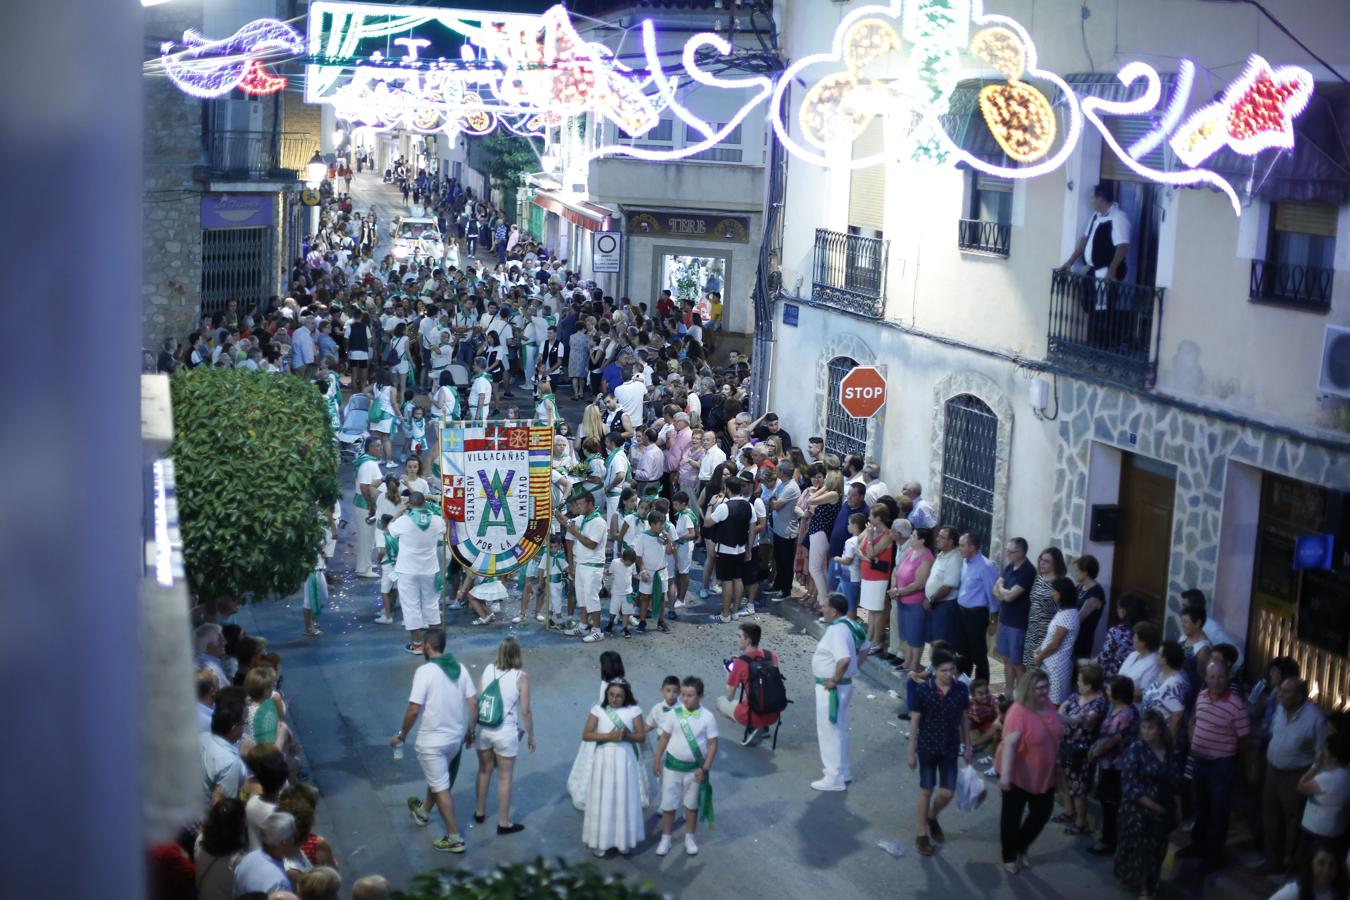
{"x":765,"y":689}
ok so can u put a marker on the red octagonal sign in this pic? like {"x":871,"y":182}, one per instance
{"x":862,"y":392}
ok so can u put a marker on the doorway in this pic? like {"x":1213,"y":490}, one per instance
{"x":1144,"y":545}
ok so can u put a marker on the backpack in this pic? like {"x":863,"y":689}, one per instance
{"x":765,"y":688}
{"x":391,"y":357}
{"x":490,"y":711}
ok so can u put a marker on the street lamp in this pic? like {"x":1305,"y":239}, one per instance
{"x":316,"y":170}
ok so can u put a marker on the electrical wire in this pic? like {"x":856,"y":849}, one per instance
{"x":1287,"y":33}
{"x":1082,"y":27}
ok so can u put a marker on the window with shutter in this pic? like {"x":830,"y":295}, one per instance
{"x":1300,"y":257}
{"x":1127,"y":130}
{"x":867,"y":187}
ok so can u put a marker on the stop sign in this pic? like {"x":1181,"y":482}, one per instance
{"x":862,"y":392}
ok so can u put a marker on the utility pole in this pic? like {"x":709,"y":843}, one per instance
{"x":768,"y":277}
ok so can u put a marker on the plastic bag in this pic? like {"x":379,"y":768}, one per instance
{"x":970,"y":789}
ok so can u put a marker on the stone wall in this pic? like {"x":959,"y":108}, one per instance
{"x":1200,"y":447}
{"x":172,"y":239}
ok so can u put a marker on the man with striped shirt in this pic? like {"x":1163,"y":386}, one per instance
{"x":1219,"y":731}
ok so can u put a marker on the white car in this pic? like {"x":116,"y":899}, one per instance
{"x":418,"y":239}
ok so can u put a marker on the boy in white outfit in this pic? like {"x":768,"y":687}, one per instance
{"x":683,"y":758}
{"x":621,"y":570}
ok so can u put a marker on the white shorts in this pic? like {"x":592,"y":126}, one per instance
{"x":684,"y":558}
{"x":388,"y":579}
{"x":535,"y":565}
{"x":435,"y":762}
{"x":504,"y":741}
{"x":679,"y":790}
{"x":588,"y":587}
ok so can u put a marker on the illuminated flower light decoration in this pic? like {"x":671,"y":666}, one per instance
{"x":207,"y":68}
{"x":839,"y":106}
{"x":1019,"y":117}
{"x":1255,"y":113}
{"x":937,"y":31}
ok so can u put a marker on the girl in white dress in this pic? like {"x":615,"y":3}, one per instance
{"x":1056,"y":653}
{"x":614,"y":815}
{"x":579,"y":779}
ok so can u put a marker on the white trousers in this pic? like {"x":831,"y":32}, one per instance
{"x":365,"y":541}
{"x":833,"y":736}
{"x":419,"y":601}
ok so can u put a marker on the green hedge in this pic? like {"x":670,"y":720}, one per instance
{"x":256,"y":468}
{"x":538,"y":880}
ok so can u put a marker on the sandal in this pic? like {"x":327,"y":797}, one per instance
{"x":488,"y":621}
{"x":1062,"y":819}
{"x":1075,"y":830}
{"x":313,"y":632}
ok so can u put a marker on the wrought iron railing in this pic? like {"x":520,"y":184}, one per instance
{"x":1301,"y":287}
{"x":255,"y":155}
{"x":850,"y":272}
{"x":975,"y":236}
{"x":1105,"y":328}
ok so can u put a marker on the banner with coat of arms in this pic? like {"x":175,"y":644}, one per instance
{"x":496,"y":492}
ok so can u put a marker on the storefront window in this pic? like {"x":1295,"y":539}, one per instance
{"x":692,"y":278}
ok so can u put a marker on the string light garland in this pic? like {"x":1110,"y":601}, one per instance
{"x":901,"y":61}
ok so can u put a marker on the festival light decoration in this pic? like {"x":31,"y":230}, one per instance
{"x":457,"y":71}
{"x":1255,"y":113}
{"x":207,"y":68}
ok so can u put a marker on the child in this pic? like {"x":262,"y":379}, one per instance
{"x":417,"y":432}
{"x":662,"y":505}
{"x":621,"y":590}
{"x":686,"y":534}
{"x":670,"y":696}
{"x":557,"y":581}
{"x":529,"y":586}
{"x":651,"y":546}
{"x":683,"y":762}
{"x":484,"y":596}
{"x":480,"y":391}
{"x":387,"y":550}
{"x":316,"y":597}
{"x":579,"y":779}
{"x":982,"y":713}
{"x":623,"y":525}
{"x":919,"y":677}
{"x":851,"y":586}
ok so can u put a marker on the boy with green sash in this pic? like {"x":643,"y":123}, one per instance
{"x":369,"y":476}
{"x":684,"y":756}
{"x":652,"y":545}
{"x":388,"y":553}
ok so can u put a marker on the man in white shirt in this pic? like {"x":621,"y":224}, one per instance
{"x":835,"y":662}
{"x":631,"y":394}
{"x":480,"y":391}
{"x":943,"y":585}
{"x":369,"y":476}
{"x":418,"y":530}
{"x":684,"y":757}
{"x":587,"y":535}
{"x":616,"y":472}
{"x":443,"y":695}
{"x":1104,"y":246}
{"x":265,"y":870}
{"x":713,"y":456}
{"x":535,"y":334}
{"x":874,"y":487}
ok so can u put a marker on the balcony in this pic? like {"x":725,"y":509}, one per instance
{"x":254,"y":155}
{"x":1297,"y":287}
{"x":1105,"y":328}
{"x":983,"y":238}
{"x":850,"y":273}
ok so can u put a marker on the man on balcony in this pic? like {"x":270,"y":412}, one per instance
{"x":1103,"y":247}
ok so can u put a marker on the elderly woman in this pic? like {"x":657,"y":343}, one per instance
{"x":1150,"y":806}
{"x":1119,"y":640}
{"x":1082,"y":716}
{"x":1026,"y":767}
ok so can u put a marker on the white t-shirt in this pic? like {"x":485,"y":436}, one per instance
{"x":712,"y":458}
{"x":946,"y":570}
{"x":445,"y":709}
{"x":629,"y":396}
{"x":703,"y":726}
{"x":370,"y":473}
{"x":621,"y":578}
{"x":855,"y":560}
{"x":594,"y":527}
{"x":256,"y":812}
{"x":416,"y":547}
{"x":509,"y":685}
{"x":1326,"y":813}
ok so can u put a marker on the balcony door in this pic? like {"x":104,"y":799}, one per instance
{"x":1144,"y":544}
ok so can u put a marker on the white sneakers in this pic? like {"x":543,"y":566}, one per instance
{"x":825,"y":784}
{"x":663,"y":846}
{"x":382,"y":619}
{"x":594,"y":636}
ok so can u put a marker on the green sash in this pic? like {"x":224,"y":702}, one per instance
{"x":313,"y":597}
{"x":619,"y":726}
{"x":390,"y":548}
{"x":855,"y":628}
{"x":657,"y":595}
{"x":612,"y":492}
{"x":834,"y":697}
{"x":705,"y":791}
{"x":358,"y":499}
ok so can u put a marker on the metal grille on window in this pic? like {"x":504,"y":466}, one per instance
{"x":843,"y":433}
{"x":236,"y":262}
{"x":969,"y":447}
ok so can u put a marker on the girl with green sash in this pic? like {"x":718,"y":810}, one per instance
{"x":614,"y":815}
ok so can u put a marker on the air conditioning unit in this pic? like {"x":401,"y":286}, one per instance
{"x":1334,"y":377}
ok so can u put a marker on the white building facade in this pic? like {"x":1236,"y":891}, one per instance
{"x":1192,"y":445}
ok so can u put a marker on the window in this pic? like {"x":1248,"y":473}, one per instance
{"x":843,"y":433}
{"x":723,"y":152}
{"x":660,"y":137}
{"x":236,"y":262}
{"x":987,"y":228}
{"x":867,"y":187}
{"x":1297,"y":270}
{"x":969,"y":441}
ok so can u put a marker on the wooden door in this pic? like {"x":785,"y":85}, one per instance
{"x":1144,"y":544}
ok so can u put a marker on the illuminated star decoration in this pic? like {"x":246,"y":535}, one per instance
{"x":209,"y":68}
{"x":1255,"y":113}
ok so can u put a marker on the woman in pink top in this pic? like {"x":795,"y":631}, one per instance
{"x":911,"y":574}
{"x":1026,"y":767}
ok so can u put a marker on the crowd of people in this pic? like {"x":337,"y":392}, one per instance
{"x":666,"y":472}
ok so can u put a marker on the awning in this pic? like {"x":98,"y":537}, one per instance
{"x":581,"y":213}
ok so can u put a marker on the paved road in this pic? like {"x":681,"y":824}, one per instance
{"x":348,"y":690}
